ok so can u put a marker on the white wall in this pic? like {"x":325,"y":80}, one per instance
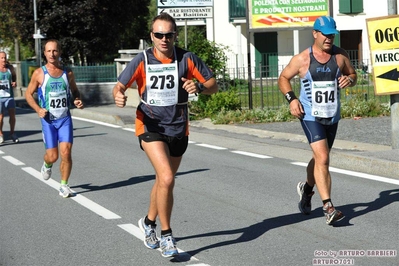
{"x":226,"y":32}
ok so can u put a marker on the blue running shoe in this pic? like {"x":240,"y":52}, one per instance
{"x":168,"y":246}
{"x":150,"y":236}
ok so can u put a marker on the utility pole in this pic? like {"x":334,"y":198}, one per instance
{"x":37,"y":36}
{"x":37,"y":49}
{"x":393,"y":10}
{"x":249,"y":57}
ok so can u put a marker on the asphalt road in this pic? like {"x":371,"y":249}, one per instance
{"x":235,"y":204}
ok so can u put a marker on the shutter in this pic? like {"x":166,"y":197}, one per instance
{"x":357,"y":6}
{"x":345,"y":6}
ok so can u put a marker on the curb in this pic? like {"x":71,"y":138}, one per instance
{"x":369,"y":165}
{"x":106,"y":118}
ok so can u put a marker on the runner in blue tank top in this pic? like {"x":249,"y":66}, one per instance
{"x":323,"y":69}
{"x":7,"y":102}
{"x":55,"y":87}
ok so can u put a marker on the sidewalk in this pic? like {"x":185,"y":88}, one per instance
{"x":373,"y":155}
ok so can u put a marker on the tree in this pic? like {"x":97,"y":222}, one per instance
{"x":92,"y":30}
{"x":213,"y":54}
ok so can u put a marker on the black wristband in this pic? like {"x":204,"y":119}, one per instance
{"x":200,"y":87}
{"x":290,"y":96}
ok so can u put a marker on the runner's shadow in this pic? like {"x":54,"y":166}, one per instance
{"x":386,"y":197}
{"x":21,"y":134}
{"x":131,"y":181}
{"x":254,"y":231}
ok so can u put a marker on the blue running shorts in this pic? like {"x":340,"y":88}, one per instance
{"x":55,"y":131}
{"x":316,"y":131}
{"x":6,"y":103}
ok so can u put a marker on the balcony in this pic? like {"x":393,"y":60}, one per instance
{"x":237,"y":9}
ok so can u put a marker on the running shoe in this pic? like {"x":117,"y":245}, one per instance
{"x":1,"y":139}
{"x":46,"y":172}
{"x":168,"y":246}
{"x":332,"y":215}
{"x":14,"y":138}
{"x":66,"y":192}
{"x":304,"y":205}
{"x":150,"y":236}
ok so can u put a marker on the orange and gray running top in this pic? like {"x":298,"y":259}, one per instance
{"x":163,"y":107}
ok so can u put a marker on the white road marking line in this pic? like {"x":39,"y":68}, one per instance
{"x":136,"y":232}
{"x":82,"y":200}
{"x":191,"y":142}
{"x":252,"y":154}
{"x":96,"y":122}
{"x":129,"y":129}
{"x":13,"y":160}
{"x":94,"y":207}
{"x":211,"y":146}
{"x":1,"y":152}
{"x":358,"y":174}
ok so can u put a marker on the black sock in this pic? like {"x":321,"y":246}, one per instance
{"x":149,"y":222}
{"x":308,"y":189}
{"x":326,"y":201}
{"x":166,"y":232}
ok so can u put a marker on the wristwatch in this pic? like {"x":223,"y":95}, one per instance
{"x":350,"y":79}
{"x":200,"y":87}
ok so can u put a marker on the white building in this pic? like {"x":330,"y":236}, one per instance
{"x":272,"y":47}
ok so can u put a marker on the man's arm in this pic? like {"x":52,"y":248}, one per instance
{"x":284,"y":84}
{"x":211,"y":86}
{"x":13,"y":76}
{"x":119,"y":94}
{"x":289,"y":72}
{"x":349,"y":75}
{"x":77,"y":101}
{"x":32,"y":88}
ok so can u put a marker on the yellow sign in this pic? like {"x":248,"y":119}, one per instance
{"x":383,"y":35}
{"x":274,"y":14}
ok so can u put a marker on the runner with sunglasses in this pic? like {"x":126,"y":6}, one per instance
{"x":165,"y":77}
{"x":324,"y":70}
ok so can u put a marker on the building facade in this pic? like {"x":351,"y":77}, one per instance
{"x":271,"y":48}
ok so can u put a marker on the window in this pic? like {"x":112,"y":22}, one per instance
{"x":350,"y":6}
{"x":237,"y":9}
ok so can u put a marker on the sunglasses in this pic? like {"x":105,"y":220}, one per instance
{"x":160,"y":36}
{"x":330,"y":36}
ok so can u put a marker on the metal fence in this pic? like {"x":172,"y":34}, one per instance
{"x":95,"y":73}
{"x":264,"y":92}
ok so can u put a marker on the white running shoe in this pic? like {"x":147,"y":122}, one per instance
{"x":168,"y":246}
{"x":66,"y":192}
{"x":1,"y":139}
{"x":150,"y":236}
{"x":46,"y":172}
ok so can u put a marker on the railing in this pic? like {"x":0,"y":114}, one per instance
{"x":266,"y":94}
{"x":90,"y":73}
{"x":95,"y":73}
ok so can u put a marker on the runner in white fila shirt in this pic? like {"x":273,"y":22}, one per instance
{"x":56,"y":87}
{"x":324,"y":69}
